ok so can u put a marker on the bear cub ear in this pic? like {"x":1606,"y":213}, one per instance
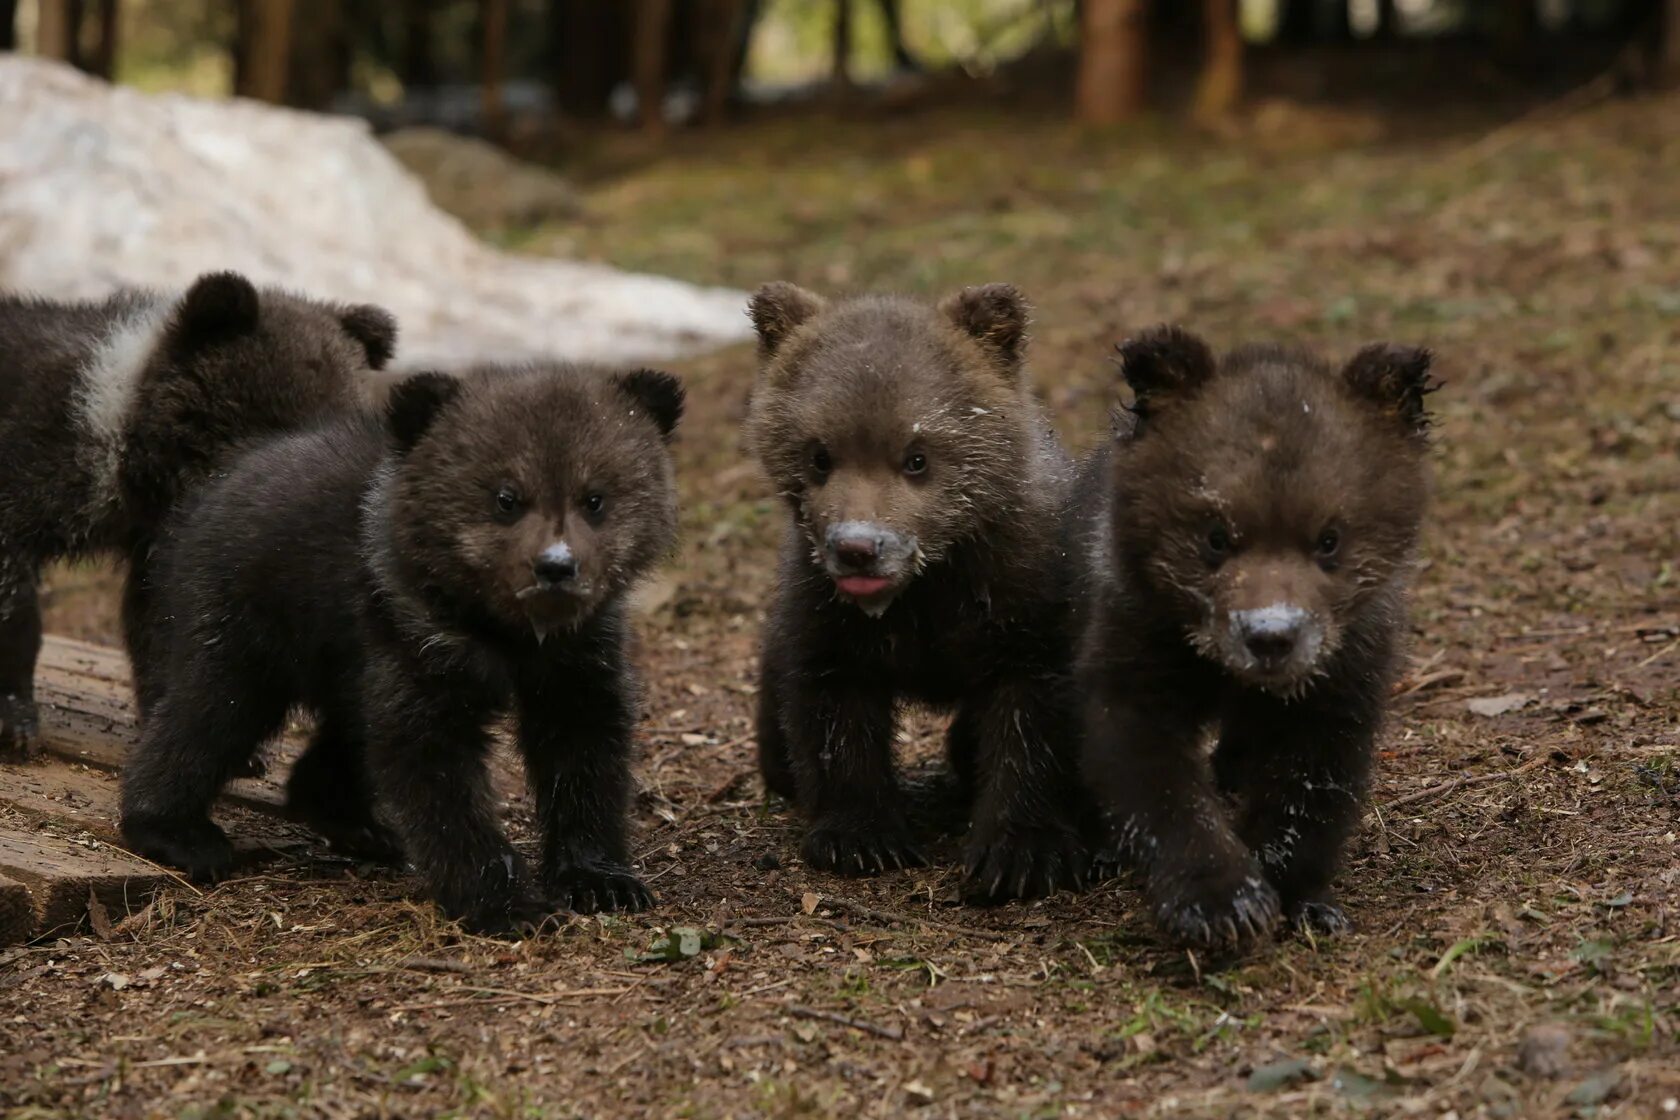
{"x":218,"y":305}
{"x":995,"y":315}
{"x":1163,"y":363}
{"x":375,"y":329}
{"x":777,"y":310}
{"x":1395,"y":379}
{"x":658,"y":392}
{"x":414,"y":403}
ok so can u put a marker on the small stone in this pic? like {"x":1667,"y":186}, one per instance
{"x":1544,"y":1050}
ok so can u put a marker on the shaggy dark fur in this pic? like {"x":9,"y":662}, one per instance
{"x":407,"y":581}
{"x":109,"y":409}
{"x":1247,"y":542}
{"x":920,"y":564}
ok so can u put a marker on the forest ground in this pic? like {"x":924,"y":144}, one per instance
{"x":1516,"y":883}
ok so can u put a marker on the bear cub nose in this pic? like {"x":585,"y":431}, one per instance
{"x":556,"y":565}
{"x":1271,"y":635}
{"x":854,"y":548}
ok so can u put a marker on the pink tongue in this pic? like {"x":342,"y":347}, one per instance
{"x":862,"y":585}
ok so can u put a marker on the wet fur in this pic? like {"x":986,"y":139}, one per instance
{"x":109,"y":410}
{"x":1276,"y":445}
{"x":363,"y":571}
{"x":975,"y":622}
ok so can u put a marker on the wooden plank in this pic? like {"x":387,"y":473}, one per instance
{"x":17,"y":912}
{"x":60,"y":874}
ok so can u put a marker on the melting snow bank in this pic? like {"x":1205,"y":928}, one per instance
{"x":103,"y":186}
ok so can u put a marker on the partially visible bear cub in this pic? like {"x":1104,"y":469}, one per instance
{"x":1248,"y":540}
{"x":109,"y":409}
{"x":920,"y":564}
{"x":407,"y":579}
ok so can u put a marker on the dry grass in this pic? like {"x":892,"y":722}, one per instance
{"x":1517,"y":883}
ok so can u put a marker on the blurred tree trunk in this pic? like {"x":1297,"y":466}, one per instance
{"x":493,"y":15}
{"x":840,"y":62}
{"x":417,"y":65}
{"x":1112,"y":44}
{"x":1666,"y":53}
{"x":1219,"y":88}
{"x":8,"y":25}
{"x":55,"y":29}
{"x":264,"y":49}
{"x":721,"y":39}
{"x":1515,"y":33}
{"x":589,"y":51}
{"x":649,"y":56}
{"x":319,"y":54}
{"x":102,"y":59}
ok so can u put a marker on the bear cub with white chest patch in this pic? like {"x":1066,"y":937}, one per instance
{"x":1246,"y":543}
{"x":920,"y":565}
{"x":408,"y":578}
{"x":110,"y":409}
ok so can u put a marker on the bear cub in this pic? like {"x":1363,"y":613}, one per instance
{"x":1247,"y":543}
{"x":920,"y":564}
{"x":109,"y":409}
{"x":407,"y":578}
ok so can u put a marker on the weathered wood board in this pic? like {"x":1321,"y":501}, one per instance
{"x":59,"y":840}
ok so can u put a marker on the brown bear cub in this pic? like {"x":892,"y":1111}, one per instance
{"x":408,"y":578}
{"x":109,"y":409}
{"x":920,"y":564}
{"x":1247,"y":542}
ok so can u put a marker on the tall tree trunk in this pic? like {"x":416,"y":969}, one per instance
{"x":721,"y":31}
{"x":840,"y":63}
{"x":1665,"y":54}
{"x":55,"y":29}
{"x":318,"y":60}
{"x":418,"y":65}
{"x":102,"y":59}
{"x":589,"y":53}
{"x":8,"y":25}
{"x":1219,"y":88}
{"x":652,"y":40}
{"x":494,"y":14}
{"x":265,"y":49}
{"x":1112,"y":43}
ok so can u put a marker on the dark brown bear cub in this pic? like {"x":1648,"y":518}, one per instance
{"x":1248,"y":538}
{"x":920,"y":564}
{"x":407,"y":579}
{"x":109,"y":409}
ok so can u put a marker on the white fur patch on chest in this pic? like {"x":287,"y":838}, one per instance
{"x":109,"y":385}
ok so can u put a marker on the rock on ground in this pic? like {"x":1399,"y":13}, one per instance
{"x":478,"y":182}
{"x":103,"y":186}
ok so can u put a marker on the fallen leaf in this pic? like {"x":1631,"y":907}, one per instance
{"x":1491,"y":706}
{"x":809,"y":902}
{"x":116,"y":981}
{"x":98,"y":918}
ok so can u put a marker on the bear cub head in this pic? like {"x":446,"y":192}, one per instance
{"x":1270,"y":502}
{"x":895,"y":430}
{"x":232,"y":361}
{"x":530,"y":497}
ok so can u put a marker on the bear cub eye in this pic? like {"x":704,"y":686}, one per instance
{"x":821,"y":463}
{"x":508,"y":502}
{"x":915,"y":463}
{"x":1218,"y":545}
{"x":594,"y":504}
{"x":1329,"y":543}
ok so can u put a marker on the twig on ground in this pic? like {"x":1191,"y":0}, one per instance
{"x":799,"y":1012}
{"x":1459,"y":783}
